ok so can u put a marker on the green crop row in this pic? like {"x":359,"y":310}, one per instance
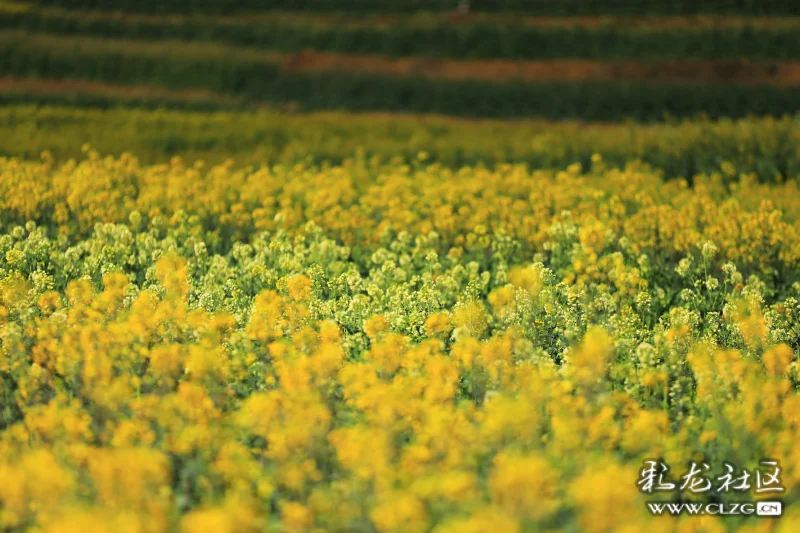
{"x":242,"y":73}
{"x":541,"y":7}
{"x":434,"y":38}
{"x":765,"y":146}
{"x":100,"y":99}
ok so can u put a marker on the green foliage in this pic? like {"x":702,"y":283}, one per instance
{"x":547,"y":7}
{"x":433,"y":37}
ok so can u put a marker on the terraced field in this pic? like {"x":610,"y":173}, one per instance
{"x":609,"y":66}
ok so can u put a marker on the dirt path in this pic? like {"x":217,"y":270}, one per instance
{"x":773,"y":73}
{"x":71,"y":87}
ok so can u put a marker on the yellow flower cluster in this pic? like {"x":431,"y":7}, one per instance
{"x":389,"y":348}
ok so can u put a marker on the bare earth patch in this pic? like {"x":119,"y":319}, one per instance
{"x":66,"y":87}
{"x":499,"y":70}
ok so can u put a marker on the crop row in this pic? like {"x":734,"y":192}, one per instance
{"x":432,"y":37}
{"x":545,"y":7}
{"x":263,"y":78}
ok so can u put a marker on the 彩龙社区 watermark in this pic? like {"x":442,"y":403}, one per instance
{"x":762,"y":481}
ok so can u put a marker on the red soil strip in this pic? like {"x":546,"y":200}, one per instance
{"x":55,"y":87}
{"x":702,"y":72}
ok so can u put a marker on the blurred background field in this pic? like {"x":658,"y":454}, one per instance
{"x":683,"y":85}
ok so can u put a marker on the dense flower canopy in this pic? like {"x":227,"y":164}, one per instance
{"x":387,"y":346}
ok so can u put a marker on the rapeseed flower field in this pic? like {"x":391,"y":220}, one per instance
{"x":390,"y":346}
